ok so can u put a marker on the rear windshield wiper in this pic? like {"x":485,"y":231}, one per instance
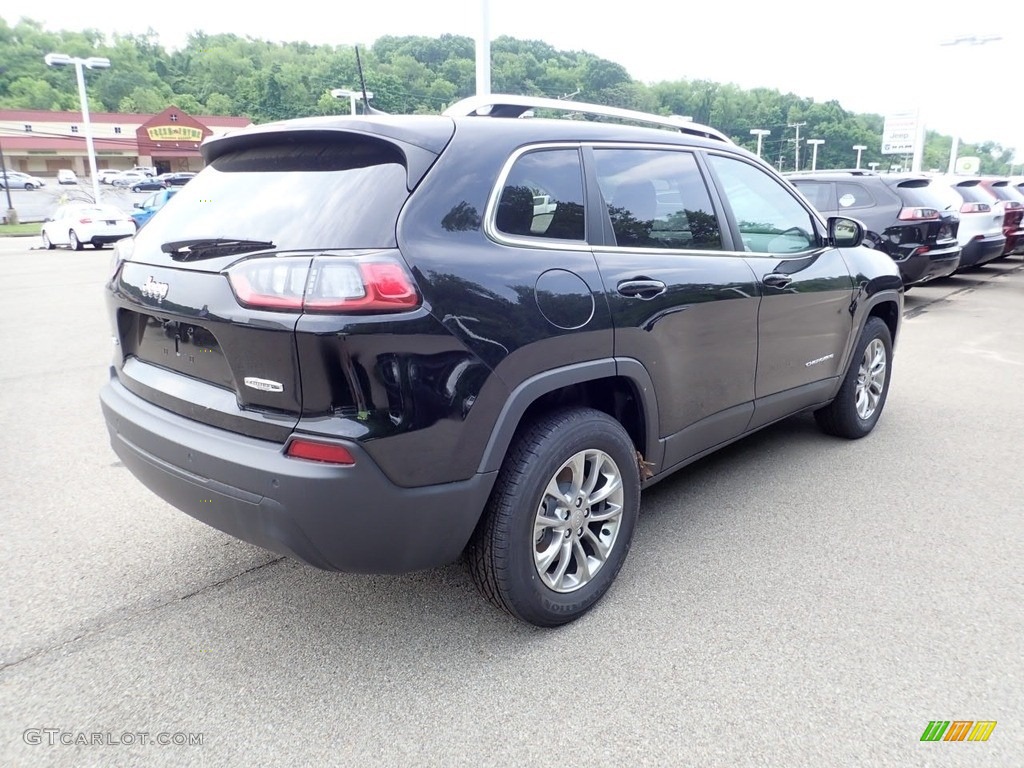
{"x":205,"y":248}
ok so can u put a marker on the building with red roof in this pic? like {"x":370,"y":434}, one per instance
{"x":41,"y":142}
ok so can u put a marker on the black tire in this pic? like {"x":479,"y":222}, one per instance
{"x":842,"y":417}
{"x":29,"y":185}
{"x":47,"y":244}
{"x":73,"y":242}
{"x":98,"y":246}
{"x":136,"y":189}
{"x":502,"y":553}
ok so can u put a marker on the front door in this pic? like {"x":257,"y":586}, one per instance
{"x":683,"y":302}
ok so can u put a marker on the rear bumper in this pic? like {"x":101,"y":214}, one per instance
{"x":978,"y":252}
{"x":921,"y":267}
{"x":1014,"y":242}
{"x":335,"y":518}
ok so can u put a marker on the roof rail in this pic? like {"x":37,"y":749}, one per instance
{"x":507,"y":105}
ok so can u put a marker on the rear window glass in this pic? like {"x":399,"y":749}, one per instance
{"x":852,"y":195}
{"x":311,"y":194}
{"x":923,"y":193}
{"x":1005,"y":191}
{"x":974,"y":193}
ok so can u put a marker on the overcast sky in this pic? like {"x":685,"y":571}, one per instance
{"x":872,"y":55}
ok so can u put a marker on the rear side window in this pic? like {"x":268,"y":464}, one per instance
{"x":342,"y":192}
{"x":851,"y":195}
{"x":543,"y":196}
{"x":657,"y":199}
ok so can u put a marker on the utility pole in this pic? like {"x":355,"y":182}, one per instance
{"x":796,"y":144}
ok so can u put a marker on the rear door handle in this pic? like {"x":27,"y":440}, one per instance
{"x":775,"y":280}
{"x":641,"y":289}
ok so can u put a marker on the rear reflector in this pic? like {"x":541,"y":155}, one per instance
{"x":918,"y":214}
{"x":329,"y":453}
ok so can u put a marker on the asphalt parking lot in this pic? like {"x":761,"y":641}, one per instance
{"x":794,"y":600}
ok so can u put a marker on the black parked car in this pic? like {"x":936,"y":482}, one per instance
{"x":468,"y":333}
{"x":906,"y":216}
{"x":179,"y":179}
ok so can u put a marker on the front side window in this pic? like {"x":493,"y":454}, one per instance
{"x":818,"y":193}
{"x":769,"y":217}
{"x":657,"y":199}
{"x":543,"y":196}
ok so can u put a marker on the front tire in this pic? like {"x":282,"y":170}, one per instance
{"x":560,"y":519}
{"x":73,"y":242}
{"x":29,"y":185}
{"x":47,"y":243}
{"x":857,"y":407}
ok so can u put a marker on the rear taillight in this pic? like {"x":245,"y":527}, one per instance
{"x":918,"y":214}
{"x":311,"y":450}
{"x":324,"y":284}
{"x":975,"y":208}
{"x":1011,"y":204}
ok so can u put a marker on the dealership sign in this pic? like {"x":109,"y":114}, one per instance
{"x":899,"y":135}
{"x":174,"y":133}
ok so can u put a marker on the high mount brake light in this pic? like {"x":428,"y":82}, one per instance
{"x":324,"y":284}
{"x":918,"y":214}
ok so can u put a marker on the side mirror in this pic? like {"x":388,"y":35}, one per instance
{"x":844,"y":232}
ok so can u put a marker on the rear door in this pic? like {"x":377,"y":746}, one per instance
{"x":805,"y":322}
{"x":683,"y":300}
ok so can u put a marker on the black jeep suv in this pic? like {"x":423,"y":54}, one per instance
{"x":907,"y":216}
{"x":374,"y":343}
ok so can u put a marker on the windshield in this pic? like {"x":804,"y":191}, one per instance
{"x":345,"y":192}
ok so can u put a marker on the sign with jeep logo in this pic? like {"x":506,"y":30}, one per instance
{"x":899,"y":134}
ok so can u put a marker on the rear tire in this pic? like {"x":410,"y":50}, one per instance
{"x":560,"y":519}
{"x":73,"y":241}
{"x":857,"y":407}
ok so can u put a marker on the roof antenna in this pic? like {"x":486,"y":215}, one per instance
{"x":367,"y":109}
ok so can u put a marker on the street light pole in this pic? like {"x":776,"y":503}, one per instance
{"x":760,"y":133}
{"x":859,"y":148}
{"x":93,"y":62}
{"x":814,"y":153}
{"x":873,"y":166}
{"x":341,"y":93}
{"x":964,"y":40}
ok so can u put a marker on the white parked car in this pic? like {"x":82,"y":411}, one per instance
{"x":128,"y":178}
{"x":19,"y":180}
{"x":66,"y":176}
{"x":76,"y":224}
{"x":107,"y":174}
{"x":980,"y":234}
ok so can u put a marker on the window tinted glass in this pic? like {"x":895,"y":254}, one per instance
{"x":657,"y":199}
{"x":543,"y":196}
{"x":770,"y":218}
{"x":1006,"y":191}
{"x":974,"y":193}
{"x":923,"y":193}
{"x":312,"y":194}
{"x":850,"y":195}
{"x":818,"y":193}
